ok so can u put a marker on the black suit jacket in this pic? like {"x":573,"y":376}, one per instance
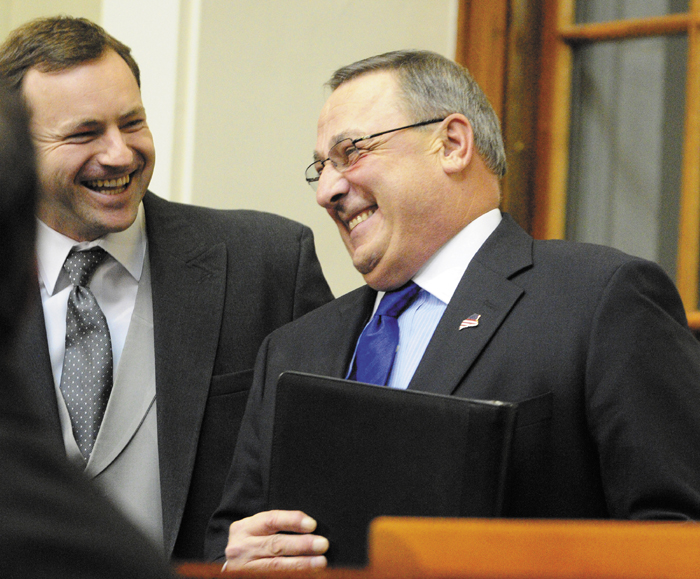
{"x":592,"y":342}
{"x":53,"y":523}
{"x":221,"y":281}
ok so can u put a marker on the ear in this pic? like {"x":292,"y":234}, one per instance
{"x":457,"y":143}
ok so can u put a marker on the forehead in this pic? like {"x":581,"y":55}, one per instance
{"x":93,"y":90}
{"x":363,"y":105}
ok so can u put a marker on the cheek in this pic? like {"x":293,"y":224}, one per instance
{"x":50,"y":171}
{"x":63,"y":165}
{"x":142,"y":143}
{"x":413,"y":223}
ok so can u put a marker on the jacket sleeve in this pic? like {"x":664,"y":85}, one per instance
{"x":643,"y":397}
{"x":311,"y":290}
{"x":244,"y":493}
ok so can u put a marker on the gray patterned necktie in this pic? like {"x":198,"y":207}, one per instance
{"x":86,"y":381}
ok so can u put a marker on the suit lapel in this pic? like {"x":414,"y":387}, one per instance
{"x":188,"y":284}
{"x":134,"y":390}
{"x":486,"y":290}
{"x":354,"y":312}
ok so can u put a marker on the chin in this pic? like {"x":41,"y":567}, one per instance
{"x":119,"y":224}
{"x":385,"y":281}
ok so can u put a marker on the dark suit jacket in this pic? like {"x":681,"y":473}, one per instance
{"x":53,"y":523}
{"x":594,"y":340}
{"x":221,"y":281}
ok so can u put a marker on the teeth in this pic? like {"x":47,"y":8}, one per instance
{"x":355,"y":221}
{"x":109,"y":183}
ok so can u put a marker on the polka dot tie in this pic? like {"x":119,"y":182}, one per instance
{"x":376,"y":348}
{"x":86,"y":381}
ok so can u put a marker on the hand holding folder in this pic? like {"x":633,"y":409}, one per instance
{"x":345,"y":452}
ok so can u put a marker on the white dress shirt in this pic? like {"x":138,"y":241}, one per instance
{"x":438,"y":280}
{"x":114,"y":284}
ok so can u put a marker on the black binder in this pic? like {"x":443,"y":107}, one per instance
{"x":345,"y":452}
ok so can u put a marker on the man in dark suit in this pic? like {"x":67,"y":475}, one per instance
{"x":591,"y":342}
{"x":187,"y":293}
{"x":53,"y":523}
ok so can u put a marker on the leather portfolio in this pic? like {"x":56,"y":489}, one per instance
{"x":346,"y":452}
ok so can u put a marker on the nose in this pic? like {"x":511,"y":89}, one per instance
{"x":332,"y":187}
{"x":115,"y":151}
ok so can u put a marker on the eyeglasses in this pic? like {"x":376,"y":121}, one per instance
{"x":344,"y":154}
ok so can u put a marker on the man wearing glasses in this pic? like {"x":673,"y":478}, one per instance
{"x":407,"y":163}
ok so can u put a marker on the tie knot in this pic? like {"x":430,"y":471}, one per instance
{"x":395,"y":302}
{"x":80,"y":265}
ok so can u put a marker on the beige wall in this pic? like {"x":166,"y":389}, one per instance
{"x":14,"y":12}
{"x":233,"y":89}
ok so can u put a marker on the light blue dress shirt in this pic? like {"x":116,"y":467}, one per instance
{"x":438,"y":280}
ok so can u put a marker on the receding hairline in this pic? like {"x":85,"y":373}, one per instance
{"x":48,"y":67}
{"x":354,"y":132}
{"x":58,"y":43}
{"x":431,"y":84}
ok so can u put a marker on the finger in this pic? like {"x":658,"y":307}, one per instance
{"x":271,"y":522}
{"x":278,"y":552}
{"x":286,"y":564}
{"x":244,"y":546}
{"x":294,"y":545}
{"x":271,"y":546}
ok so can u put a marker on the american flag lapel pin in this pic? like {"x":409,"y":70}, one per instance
{"x":470,"y":322}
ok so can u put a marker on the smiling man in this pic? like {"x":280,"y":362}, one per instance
{"x":97,"y":154}
{"x":591,"y":343}
{"x":140,"y":351}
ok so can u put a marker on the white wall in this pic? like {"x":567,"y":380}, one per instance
{"x":233,"y":89}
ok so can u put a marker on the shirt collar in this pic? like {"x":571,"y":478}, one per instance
{"x":441,"y":274}
{"x":128,"y":247}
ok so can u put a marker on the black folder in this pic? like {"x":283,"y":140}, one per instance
{"x":346,"y":452}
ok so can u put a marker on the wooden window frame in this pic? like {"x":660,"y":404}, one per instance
{"x":499,"y":42}
{"x":560,"y":36}
{"x":525,"y":47}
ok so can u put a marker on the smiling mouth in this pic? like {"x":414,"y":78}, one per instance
{"x":109,"y":186}
{"x":364,"y":216}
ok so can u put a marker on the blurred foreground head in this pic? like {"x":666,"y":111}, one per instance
{"x":17,"y":222}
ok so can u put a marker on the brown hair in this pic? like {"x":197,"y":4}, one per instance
{"x":55,"y":44}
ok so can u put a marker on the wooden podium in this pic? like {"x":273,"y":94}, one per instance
{"x":543,"y":549}
{"x":412,"y":548}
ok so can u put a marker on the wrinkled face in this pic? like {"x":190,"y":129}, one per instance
{"x":390,"y":207}
{"x":95,"y":153}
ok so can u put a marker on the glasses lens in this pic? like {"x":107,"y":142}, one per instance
{"x":313,"y":173}
{"x":342,"y":154}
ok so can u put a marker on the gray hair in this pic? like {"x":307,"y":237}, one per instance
{"x":433,"y":86}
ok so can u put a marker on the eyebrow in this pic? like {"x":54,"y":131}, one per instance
{"x":81,"y":126}
{"x":335,"y":140}
{"x":88,"y":123}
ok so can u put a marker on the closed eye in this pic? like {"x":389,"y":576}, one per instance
{"x":134,"y":125}
{"x":81,"y":137}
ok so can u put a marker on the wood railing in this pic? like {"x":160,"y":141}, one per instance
{"x":516,"y":549}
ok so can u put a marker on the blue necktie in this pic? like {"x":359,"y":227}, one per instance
{"x":376,"y":348}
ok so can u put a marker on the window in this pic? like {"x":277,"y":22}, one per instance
{"x":610,"y":152}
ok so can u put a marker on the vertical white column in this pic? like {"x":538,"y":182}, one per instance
{"x":452,"y":19}
{"x":186,"y":105}
{"x":152,"y":28}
